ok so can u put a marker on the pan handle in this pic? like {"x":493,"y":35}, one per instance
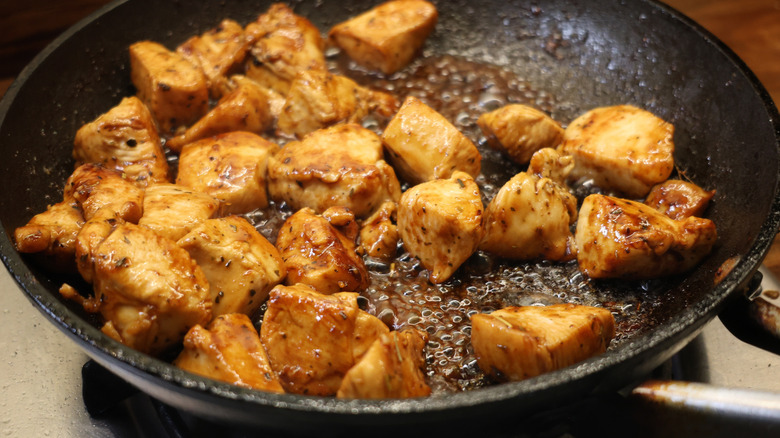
{"x":736,"y":315}
{"x":698,"y":409}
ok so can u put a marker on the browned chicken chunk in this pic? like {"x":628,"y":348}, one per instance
{"x":620,"y":148}
{"x":679,"y":199}
{"x":175,"y":90}
{"x":313,"y":339}
{"x":424,"y":146}
{"x":243,"y":109}
{"x":100,"y":191}
{"x":440,"y":223}
{"x":218,"y":52}
{"x":316,"y":253}
{"x":106,"y":200}
{"x":517,"y":343}
{"x":550,"y":163}
{"x":241,"y":266}
{"x":529,"y":219}
{"x":379,"y":233}
{"x":618,"y":238}
{"x":230,"y":167}
{"x":51,"y":236}
{"x":338,"y":166}
{"x":125,"y":139}
{"x":171,"y":210}
{"x":387,"y":37}
{"x":520,"y":131}
{"x":318,"y":99}
{"x":150,"y":291}
{"x":390,"y":369}
{"x":229,"y":349}
{"x":283,"y":44}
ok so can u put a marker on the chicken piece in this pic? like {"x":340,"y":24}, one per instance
{"x":618,"y":238}
{"x":520,"y":131}
{"x":231,"y":167}
{"x":283,"y":45}
{"x":218,"y":52}
{"x":529,"y":219}
{"x":550,"y":163}
{"x":424,"y":146}
{"x":125,"y":139}
{"x":150,"y":291}
{"x":387,"y":37}
{"x":338,"y":166}
{"x":175,"y":90}
{"x":379,"y":234}
{"x":318,"y":99}
{"x":229,"y":350}
{"x":516,"y":343}
{"x":390,"y":369}
{"x":103,"y":192}
{"x":679,"y":199}
{"x":313,"y":339}
{"x":171,"y":210}
{"x":621,"y":148}
{"x":106,"y":200}
{"x":243,"y":109}
{"x":440,"y":223}
{"x":316,"y":253}
{"x":241,"y":266}
{"x":274,"y":99}
{"x":51,"y":236}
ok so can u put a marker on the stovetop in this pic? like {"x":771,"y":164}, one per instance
{"x":41,"y":374}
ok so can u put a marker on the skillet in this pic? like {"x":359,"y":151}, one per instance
{"x":585,"y":53}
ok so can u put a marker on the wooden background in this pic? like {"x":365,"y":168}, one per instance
{"x":750,"y":27}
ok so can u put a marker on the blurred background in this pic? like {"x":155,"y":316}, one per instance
{"x":750,"y":27}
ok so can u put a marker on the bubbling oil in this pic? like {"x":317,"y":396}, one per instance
{"x":400,"y":293}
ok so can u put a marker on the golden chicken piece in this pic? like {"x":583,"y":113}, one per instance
{"x":550,"y":163}
{"x":274,"y":100}
{"x":106,"y":200}
{"x":51,"y":236}
{"x":171,"y":210}
{"x":240,"y":265}
{"x":516,"y":343}
{"x":217,"y":51}
{"x":440,"y":223}
{"x":679,"y":199}
{"x":387,"y":37}
{"x":243,"y":109}
{"x":520,"y":131}
{"x":424,"y":146}
{"x":621,"y":148}
{"x":618,"y":238}
{"x":529,"y":219}
{"x":318,"y":99}
{"x":390,"y":369}
{"x":99,"y":191}
{"x":317,"y":254}
{"x":150,"y":291}
{"x":229,"y":349}
{"x":313,"y":339}
{"x":125,"y":139}
{"x":175,"y":90}
{"x":231,"y":167}
{"x":283,"y":44}
{"x":338,"y":166}
{"x":379,"y":234}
